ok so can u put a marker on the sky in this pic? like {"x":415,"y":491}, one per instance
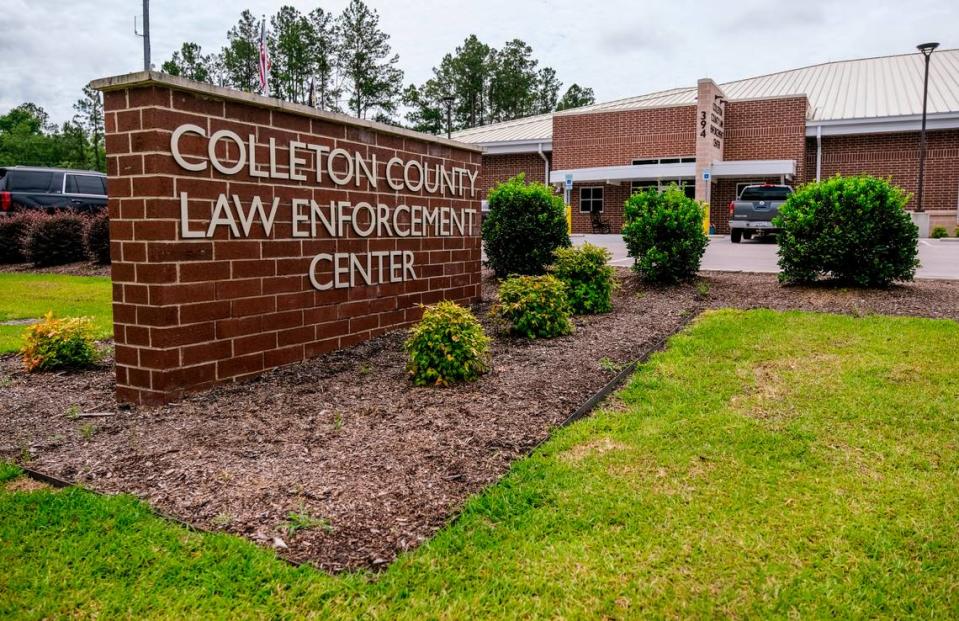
{"x":51,"y":48}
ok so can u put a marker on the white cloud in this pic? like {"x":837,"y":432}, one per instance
{"x":50,"y":49}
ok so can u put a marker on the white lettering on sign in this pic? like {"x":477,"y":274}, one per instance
{"x":338,"y":165}
{"x":229,"y":154}
{"x":342,"y":269}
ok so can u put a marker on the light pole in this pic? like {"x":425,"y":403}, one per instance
{"x":146,"y":36}
{"x":927,"y":49}
{"x":448,"y":100}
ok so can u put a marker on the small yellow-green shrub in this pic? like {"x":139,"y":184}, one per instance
{"x":588,"y":277}
{"x":448,"y":345}
{"x":59,"y":343}
{"x":534,"y":306}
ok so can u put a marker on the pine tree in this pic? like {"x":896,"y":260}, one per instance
{"x":470,"y":75}
{"x":367,"y":64}
{"x":290,"y":55}
{"x":576,"y":96}
{"x":189,"y":62}
{"x":514,"y":82}
{"x":241,"y":56}
{"x":547,"y":90}
{"x":463,"y":75}
{"x":323,"y":48}
{"x":426,"y":113}
{"x":89,"y":118}
{"x":217,"y":68}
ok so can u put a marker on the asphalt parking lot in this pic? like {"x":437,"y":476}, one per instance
{"x":938,"y":258}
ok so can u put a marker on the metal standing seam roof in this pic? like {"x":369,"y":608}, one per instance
{"x":527,"y":128}
{"x":866,"y":88}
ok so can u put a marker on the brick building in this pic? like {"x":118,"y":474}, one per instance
{"x":848,"y":117}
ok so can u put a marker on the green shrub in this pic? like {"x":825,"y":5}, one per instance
{"x":664,"y":234}
{"x":448,"y":345}
{"x":851,"y":229}
{"x":59,"y":343}
{"x":534,"y":306}
{"x":55,"y":239}
{"x":96,"y":238}
{"x":13,"y":229}
{"x":939,"y":232}
{"x":525,"y":224}
{"x":588,"y":277}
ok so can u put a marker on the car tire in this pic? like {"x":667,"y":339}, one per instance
{"x":735,"y":236}
{"x":747,"y":235}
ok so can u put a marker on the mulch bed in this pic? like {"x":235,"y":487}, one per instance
{"x":82,"y":268}
{"x":346,"y":438}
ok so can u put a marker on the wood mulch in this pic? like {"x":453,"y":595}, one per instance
{"x":82,"y":268}
{"x":348,"y":439}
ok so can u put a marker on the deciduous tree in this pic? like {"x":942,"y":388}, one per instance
{"x":28,"y":138}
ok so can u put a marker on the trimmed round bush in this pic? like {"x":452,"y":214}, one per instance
{"x":55,"y":239}
{"x":525,"y":224}
{"x":96,"y":238}
{"x":939,"y":232}
{"x":448,"y":345}
{"x":588,"y":277}
{"x":854,"y":230}
{"x":13,"y":230}
{"x":664,"y":234}
{"x":534,"y":306}
{"x":59,"y":344}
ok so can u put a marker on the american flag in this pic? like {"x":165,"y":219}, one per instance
{"x":264,"y":56}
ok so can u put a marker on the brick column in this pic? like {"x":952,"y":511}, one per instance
{"x":192,"y":310}
{"x":710,"y":133}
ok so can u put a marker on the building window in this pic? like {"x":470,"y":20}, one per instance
{"x":686,"y":185}
{"x":642,"y":186}
{"x":591,"y":200}
{"x":664,"y":160}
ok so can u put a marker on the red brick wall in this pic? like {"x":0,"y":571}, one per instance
{"x":499,"y":168}
{"x":756,"y":129}
{"x":614,"y":197}
{"x":760,"y":129}
{"x":193,"y":312}
{"x":896,"y":155}
{"x":618,"y":138}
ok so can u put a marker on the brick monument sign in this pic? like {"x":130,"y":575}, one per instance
{"x":249,"y":233}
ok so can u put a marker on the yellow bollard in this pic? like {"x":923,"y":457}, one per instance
{"x":706,"y":218}
{"x":569,"y":220}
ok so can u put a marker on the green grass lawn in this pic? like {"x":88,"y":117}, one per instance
{"x":765,"y":465}
{"x":30,"y":296}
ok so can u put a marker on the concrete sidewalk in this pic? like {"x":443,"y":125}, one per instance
{"x":938,"y":258}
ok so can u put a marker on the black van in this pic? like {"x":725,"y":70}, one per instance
{"x":50,"y":189}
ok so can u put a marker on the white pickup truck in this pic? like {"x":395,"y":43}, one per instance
{"x":753,"y":212}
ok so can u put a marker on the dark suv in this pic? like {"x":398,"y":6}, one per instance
{"x":27,"y":187}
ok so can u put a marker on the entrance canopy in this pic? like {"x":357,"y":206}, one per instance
{"x":686,"y":170}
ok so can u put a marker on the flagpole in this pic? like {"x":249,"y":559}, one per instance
{"x":264,"y":57}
